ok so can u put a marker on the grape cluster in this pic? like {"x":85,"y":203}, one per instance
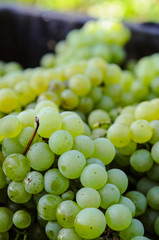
{"x":67,"y":143}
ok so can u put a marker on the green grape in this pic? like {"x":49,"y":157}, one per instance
{"x":38,"y":83}
{"x":21,"y":219}
{"x":25,"y":136}
{"x":88,"y":197}
{"x":24,"y":92}
{"x":75,"y":68}
{"x":84,"y":144}
{"x":8,"y":100}
{"x":55,"y":182}
{"x":146,"y":110}
{"x":114,"y":91}
{"x":126,"y":80}
{"x":60,"y":141}
{"x":122,"y":160}
{"x":156,"y":226}
{"x":128,"y":149}
{"x":69,"y":99}
{"x":153,"y":197}
{"x":12,"y":66}
{"x":73,"y":124}
{"x":95,"y":94}
{"x":27,"y":117}
{"x":125,"y":119}
{"x":144,"y":184}
{"x":68,"y":195}
{"x":66,"y":213}
{"x":135,"y":228}
{"x":16,"y":167}
{"x":141,"y":160}
{"x":71,"y":164}
{"x":102,"y":50}
{"x":155,"y":86}
{"x":67,"y":234}
{"x":95,"y":161}
{"x":87,"y":130}
{"x":52,"y":229}
{"x":139,"y":90}
{"x":98,"y":62}
{"x":118,"y":217}
{"x":47,"y":206}
{"x":95,"y":75}
{"x":127,"y":98}
{"x":127,"y":202}
{"x":37,"y":196}
{"x":141,"y":131}
{"x":128,"y":109}
{"x":10,"y":126}
{"x":3,"y":181}
{"x":17,"y":193}
{"x":86,"y":104}
{"x":109,"y":194}
{"x":4,"y":236}
{"x":119,"y":134}
{"x":139,"y":200}
{"x":46,"y":103}
{"x":11,"y":145}
{"x":153,"y":173}
{"x":155,"y":152}
{"x":97,"y":116}
{"x":80,"y":84}
{"x":48,"y":60}
{"x":155,"y":135}
{"x":56,"y":86}
{"x":40,"y":157}
{"x":48,"y":95}
{"x":118,"y":178}
{"x":98,"y":133}
{"x":90,"y":223}
{"x":105,"y":103}
{"x":50,"y":122}
{"x":34,"y":182}
{"x":113,"y":74}
{"x":94,"y":176}
{"x":140,"y":238}
{"x":104,"y":150}
{"x":5,"y":219}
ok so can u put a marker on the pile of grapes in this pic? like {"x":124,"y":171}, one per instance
{"x":79,"y":138}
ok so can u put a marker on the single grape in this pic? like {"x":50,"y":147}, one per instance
{"x":73,"y":124}
{"x":95,"y":161}
{"x":34,"y":182}
{"x":5,"y":219}
{"x":52,"y":229}
{"x":88,"y":197}
{"x":11,"y":145}
{"x":90,"y":223}
{"x":21,"y":219}
{"x":84,"y":144}
{"x":118,"y":178}
{"x":67,"y":234}
{"x":141,"y":160}
{"x":129,"y":203}
{"x":153,"y":197}
{"x":10,"y":126}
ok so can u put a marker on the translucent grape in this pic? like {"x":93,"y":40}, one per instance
{"x":27,"y":117}
{"x":40,"y":157}
{"x":80,"y":84}
{"x":66,"y":213}
{"x":71,"y":164}
{"x":127,"y":202}
{"x":38,"y":83}
{"x":146,"y":110}
{"x":128,"y":149}
{"x":119,"y":134}
{"x":153,"y":173}
{"x":50,"y":122}
{"x":104,"y":150}
{"x":25,"y":136}
{"x":118,"y":217}
{"x":84,"y":144}
{"x":135,"y":228}
{"x":155,"y":135}
{"x":69,"y":100}
{"x":3,"y":181}
{"x":139,"y":200}
{"x":155,"y":152}
{"x":56,"y":86}
{"x":21,"y":219}
{"x":109,"y":194}
{"x":153,"y":197}
{"x":73,"y":124}
{"x":141,"y":160}
{"x":5,"y":219}
{"x":55,"y":182}
{"x":141,"y":131}
{"x":60,"y":141}
{"x":85,"y":105}
{"x":68,"y":195}
{"x":98,"y":116}
{"x":94,"y":176}
{"x":88,"y":197}
{"x":8,"y":100}
{"x":118,"y":178}
{"x":90,"y":223}
{"x":47,"y":206}
{"x":67,"y":234}
{"x":11,"y":145}
{"x":125,"y":119}
{"x":95,"y":161}
{"x":34,"y":182}
{"x":94,"y":74}
{"x":46,"y":103}
{"x":52,"y":229}
{"x":87,"y":130}
{"x":10,"y":126}
{"x":16,"y":167}
{"x":156,"y":226}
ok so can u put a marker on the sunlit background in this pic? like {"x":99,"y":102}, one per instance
{"x":134,"y":10}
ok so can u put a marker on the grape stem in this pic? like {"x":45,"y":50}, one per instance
{"x":32,"y":137}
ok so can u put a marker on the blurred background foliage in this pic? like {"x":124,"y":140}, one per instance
{"x":136,"y":10}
